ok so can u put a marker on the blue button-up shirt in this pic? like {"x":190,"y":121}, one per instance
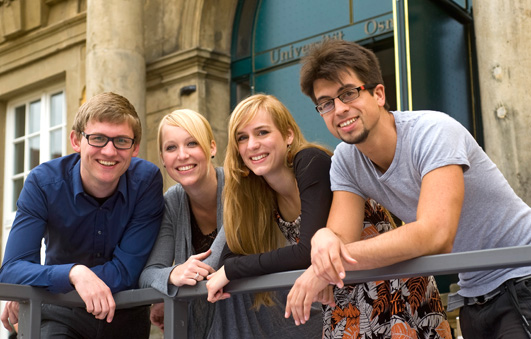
{"x":114,"y":239}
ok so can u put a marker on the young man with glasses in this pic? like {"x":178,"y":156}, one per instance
{"x":417,"y":165}
{"x":99,"y":212}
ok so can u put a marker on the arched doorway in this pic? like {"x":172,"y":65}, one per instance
{"x":427,"y":64}
{"x":271,"y":37}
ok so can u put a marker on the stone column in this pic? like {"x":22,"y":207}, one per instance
{"x":115,"y":53}
{"x":504,"y":62}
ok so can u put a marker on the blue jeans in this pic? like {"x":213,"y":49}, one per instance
{"x":499,"y":317}
{"x":65,"y":322}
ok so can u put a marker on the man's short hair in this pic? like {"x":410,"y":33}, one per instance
{"x":108,"y":107}
{"x":330,"y":59}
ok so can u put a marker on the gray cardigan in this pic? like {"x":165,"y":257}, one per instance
{"x":229,"y":318}
{"x":174,"y":243}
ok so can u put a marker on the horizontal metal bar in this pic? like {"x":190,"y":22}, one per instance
{"x":429,"y":265}
{"x":124,"y":299}
{"x":440,"y":264}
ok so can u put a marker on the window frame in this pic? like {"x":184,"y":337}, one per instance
{"x":44,"y":132}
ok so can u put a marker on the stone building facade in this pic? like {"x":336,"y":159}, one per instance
{"x":152,"y":52}
{"x":170,"y":54}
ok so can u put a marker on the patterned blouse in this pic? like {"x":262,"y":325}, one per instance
{"x":388,"y":309}
{"x":290,"y":229}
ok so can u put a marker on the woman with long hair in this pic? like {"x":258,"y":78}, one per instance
{"x":277,"y":194}
{"x":191,"y":237}
{"x":277,"y":191}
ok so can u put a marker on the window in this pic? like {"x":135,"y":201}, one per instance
{"x":35,"y":133}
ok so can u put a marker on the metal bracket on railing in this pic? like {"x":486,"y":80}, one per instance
{"x":175,"y":318}
{"x":29,"y":316}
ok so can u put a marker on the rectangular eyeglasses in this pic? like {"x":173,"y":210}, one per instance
{"x":99,"y":140}
{"x":347,"y":96}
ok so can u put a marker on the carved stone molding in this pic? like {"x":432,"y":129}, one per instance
{"x":11,"y":18}
{"x":51,"y":2}
{"x":19,"y":17}
{"x":5,"y":2}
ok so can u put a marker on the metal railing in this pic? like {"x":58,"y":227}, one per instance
{"x":176,"y":309}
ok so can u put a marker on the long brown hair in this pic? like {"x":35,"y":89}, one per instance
{"x":249,"y":202}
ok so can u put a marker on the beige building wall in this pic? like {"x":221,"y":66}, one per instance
{"x":40,"y":45}
{"x":183,"y":61}
{"x":188,"y":43}
{"x":185,"y":44}
{"x":504,"y":64}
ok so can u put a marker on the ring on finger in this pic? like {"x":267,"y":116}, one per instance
{"x":196,"y":275}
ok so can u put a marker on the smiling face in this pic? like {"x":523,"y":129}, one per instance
{"x":101,"y":168}
{"x":183,"y":156}
{"x":261,"y":146}
{"x":351,"y":122}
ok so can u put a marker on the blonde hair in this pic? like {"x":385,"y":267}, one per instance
{"x":249,"y":202}
{"x":193,"y":123}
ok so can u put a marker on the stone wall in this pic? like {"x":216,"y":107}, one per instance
{"x":504,"y":63}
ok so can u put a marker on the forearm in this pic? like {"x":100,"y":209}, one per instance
{"x":129,"y":256}
{"x":118,"y":275}
{"x":280,"y":260}
{"x":159,"y":279}
{"x":406,"y":242}
{"x":158,"y":268}
{"x":52,"y":277}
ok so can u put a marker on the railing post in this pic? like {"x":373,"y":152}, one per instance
{"x":29,"y":326}
{"x":175,"y":318}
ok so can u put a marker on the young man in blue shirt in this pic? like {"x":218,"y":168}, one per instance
{"x":417,"y":164}
{"x":99,"y":212}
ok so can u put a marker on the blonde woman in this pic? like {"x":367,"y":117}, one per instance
{"x":192,"y":219}
{"x":191,"y":236}
{"x":277,"y":194}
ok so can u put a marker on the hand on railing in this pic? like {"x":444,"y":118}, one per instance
{"x":192,"y":270}
{"x":157,"y":315}
{"x":176,"y":320}
{"x":215,"y":285}
{"x":308,"y":288}
{"x":326,"y":296}
{"x":94,"y":292}
{"x":10,"y":315}
{"x":328,"y":253}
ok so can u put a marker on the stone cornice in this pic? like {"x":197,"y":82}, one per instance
{"x":42,"y":43}
{"x":5,"y":2}
{"x":185,"y":64}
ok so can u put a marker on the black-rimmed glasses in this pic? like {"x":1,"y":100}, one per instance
{"x":347,"y":96}
{"x":99,"y":140}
